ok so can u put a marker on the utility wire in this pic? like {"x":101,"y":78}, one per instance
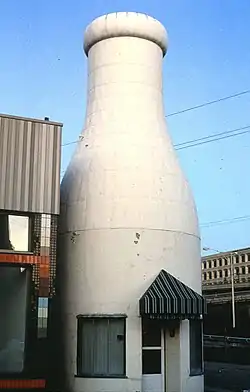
{"x":210,"y":136}
{"x":202,"y":140}
{"x":67,"y":144}
{"x":225,"y":221}
{"x":226,"y":136}
{"x":190,"y":108}
{"x":205,"y":140}
{"x":208,"y":103}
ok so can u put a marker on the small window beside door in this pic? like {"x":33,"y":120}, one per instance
{"x":196,"y":350}
{"x":101,"y":347}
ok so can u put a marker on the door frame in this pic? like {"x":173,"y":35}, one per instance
{"x":163,"y":349}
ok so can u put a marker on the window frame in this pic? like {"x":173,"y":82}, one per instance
{"x":80,"y":321}
{"x":195,"y":370}
{"x":30,"y":231}
{"x":148,"y":346}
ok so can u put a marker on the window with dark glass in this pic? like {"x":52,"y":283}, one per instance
{"x":151,"y":361}
{"x":101,"y":347}
{"x":196,"y":350}
{"x":14,"y":232}
{"x":151,"y":333}
{"x":151,"y":347}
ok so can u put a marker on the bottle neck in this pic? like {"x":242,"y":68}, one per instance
{"x":125,"y":80}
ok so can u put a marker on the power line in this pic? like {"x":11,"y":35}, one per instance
{"x":208,"y":103}
{"x":67,"y":144}
{"x":190,"y":108}
{"x":227,"y":135}
{"x":205,"y":139}
{"x":202,"y":140}
{"x":214,"y":135}
{"x":225,"y":221}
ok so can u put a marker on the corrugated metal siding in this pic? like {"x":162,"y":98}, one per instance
{"x":30,"y":153}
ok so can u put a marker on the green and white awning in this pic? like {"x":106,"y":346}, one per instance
{"x":169,"y":298}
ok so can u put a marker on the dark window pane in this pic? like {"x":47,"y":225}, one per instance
{"x":151,"y":361}
{"x":151,"y":333}
{"x":116,"y":347}
{"x":195,"y":347}
{"x":101,"y":347}
{"x":87,"y":346}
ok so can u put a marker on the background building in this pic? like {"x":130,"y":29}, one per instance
{"x":216,"y":268}
{"x":29,"y":207}
{"x":225,"y":285}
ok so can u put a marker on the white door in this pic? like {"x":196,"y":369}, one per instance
{"x":152,"y":357}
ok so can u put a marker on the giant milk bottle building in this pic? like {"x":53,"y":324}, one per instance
{"x":130,"y":269}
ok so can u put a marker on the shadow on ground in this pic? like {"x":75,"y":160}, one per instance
{"x":227,"y":377}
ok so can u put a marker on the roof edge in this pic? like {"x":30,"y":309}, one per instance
{"x":36,"y":120}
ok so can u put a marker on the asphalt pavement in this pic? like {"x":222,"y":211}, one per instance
{"x":224,"y":377}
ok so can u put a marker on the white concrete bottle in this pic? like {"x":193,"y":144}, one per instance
{"x":126,"y":208}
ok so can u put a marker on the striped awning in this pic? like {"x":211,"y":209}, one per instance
{"x":169,"y":298}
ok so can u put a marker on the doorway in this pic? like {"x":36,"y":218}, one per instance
{"x":14,"y":289}
{"x":153,"y":358}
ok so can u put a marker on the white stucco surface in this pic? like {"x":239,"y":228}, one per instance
{"x":126,"y":208}
{"x":125,"y":24}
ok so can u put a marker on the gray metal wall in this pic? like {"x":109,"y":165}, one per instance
{"x":30,"y":153}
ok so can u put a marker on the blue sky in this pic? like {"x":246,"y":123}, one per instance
{"x":43,"y":73}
